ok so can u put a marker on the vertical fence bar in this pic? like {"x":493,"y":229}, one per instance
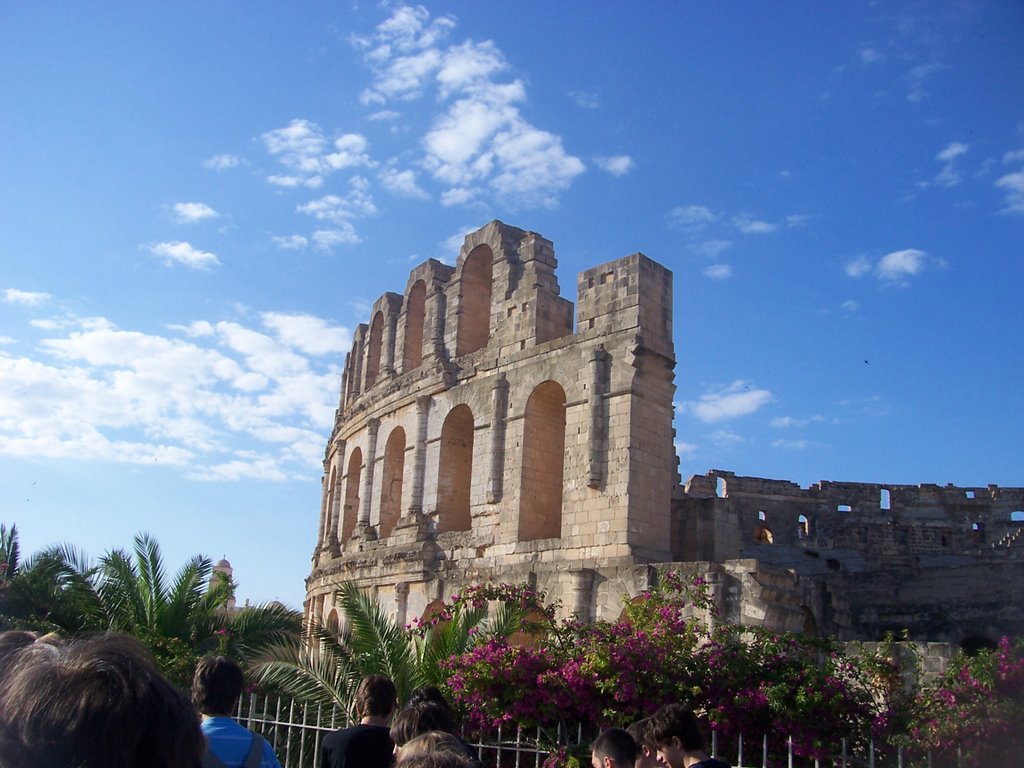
{"x":319,"y":726}
{"x":871,"y":753}
{"x":739,"y":750}
{"x":764,"y":751}
{"x":288,"y":741}
{"x":844,"y":753}
{"x":789,"y":751}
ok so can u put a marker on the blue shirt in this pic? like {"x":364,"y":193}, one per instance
{"x":231,"y":743}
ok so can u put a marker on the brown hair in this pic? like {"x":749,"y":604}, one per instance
{"x":98,"y":702}
{"x":675,"y":721}
{"x":430,"y":743}
{"x":217,"y":685}
{"x":376,"y":695}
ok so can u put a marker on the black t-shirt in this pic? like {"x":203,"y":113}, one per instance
{"x":360,"y":746}
{"x":711,"y":762}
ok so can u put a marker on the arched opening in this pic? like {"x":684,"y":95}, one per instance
{"x":333,"y":621}
{"x":810,"y":627}
{"x":351,"y":509}
{"x":884,"y":499}
{"x":1017,"y":516}
{"x":540,"y":497}
{"x":763,"y":535}
{"x":455,"y":474}
{"x":391,"y":489}
{"x":415,"y":316}
{"x":978,"y":532}
{"x":373,"y":353}
{"x":972,"y":644}
{"x":720,"y":490}
{"x":803,"y":527}
{"x":475,"y":302}
{"x":761,"y":515}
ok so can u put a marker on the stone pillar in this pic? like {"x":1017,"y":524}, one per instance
{"x":439,"y":310}
{"x":499,"y":409}
{"x":401,"y":603}
{"x":333,"y":542}
{"x":419,"y":456}
{"x":387,"y":365}
{"x":598,"y":420}
{"x":325,"y":509}
{"x":579,"y":593}
{"x":363,"y":525}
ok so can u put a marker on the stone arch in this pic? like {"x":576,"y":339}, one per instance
{"x":803,"y":527}
{"x":333,"y":620}
{"x":474,"y":329}
{"x":455,"y":471}
{"x":763,"y":535}
{"x":540,"y":496}
{"x":1017,"y":516}
{"x":373,"y":349}
{"x":353,"y":477}
{"x":810,"y":625}
{"x":391,"y":487}
{"x":415,"y":319}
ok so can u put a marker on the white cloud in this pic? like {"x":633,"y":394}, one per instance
{"x":308,"y":334}
{"x":798,"y":220}
{"x":186,"y":213}
{"x":858,"y":267}
{"x":304,"y":150}
{"x":385,"y":115}
{"x":711,"y":248}
{"x":788,"y":422}
{"x":869,"y":55}
{"x":184,"y":253}
{"x":723,"y":438}
{"x":619,"y":165}
{"x":1014,"y":156}
{"x":479,"y":140}
{"x":290,"y":242}
{"x":917,"y":78}
{"x":1013,"y":186}
{"x":750,"y":226}
{"x":328,"y":239}
{"x":735,"y":400}
{"x":718,"y":271}
{"x":28,"y":298}
{"x":222,"y":162}
{"x":402,"y":183}
{"x":899,"y":265}
{"x":199,"y":404}
{"x":337,"y":210}
{"x":952,"y":151}
{"x":691,"y":216}
{"x":850,"y":306}
{"x":350,"y":152}
{"x":796,"y":445}
{"x":585,"y":99}
{"x":685,"y":449}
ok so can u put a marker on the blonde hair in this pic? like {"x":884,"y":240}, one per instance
{"x":429,"y":743}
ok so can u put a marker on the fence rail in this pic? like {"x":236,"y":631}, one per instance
{"x":296,"y":732}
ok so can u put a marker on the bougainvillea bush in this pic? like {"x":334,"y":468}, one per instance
{"x":671,"y":646}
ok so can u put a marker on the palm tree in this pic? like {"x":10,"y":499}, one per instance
{"x":328,"y":664}
{"x":51,"y":591}
{"x":179,"y":619}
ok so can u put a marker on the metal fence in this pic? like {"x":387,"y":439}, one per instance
{"x":297,"y":730}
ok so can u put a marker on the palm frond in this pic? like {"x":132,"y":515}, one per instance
{"x":254,"y":630}
{"x":378,"y":644}
{"x":150,"y":565}
{"x":183,"y":605}
{"x":9,"y":551}
{"x":120,"y":593}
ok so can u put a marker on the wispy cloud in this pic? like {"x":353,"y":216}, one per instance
{"x":179,"y":252}
{"x":718,"y":271}
{"x":402,"y":183}
{"x":186,"y":213}
{"x":692,"y":217}
{"x":328,"y":239}
{"x":218,"y":400}
{"x":1012,"y":186}
{"x":949,"y":176}
{"x":27,"y":298}
{"x":751,"y":226}
{"x":304,"y":150}
{"x":479,"y":140}
{"x":290,"y":242}
{"x":724,"y":403}
{"x":894,"y":267}
{"x":619,"y":165}
{"x":222,"y":162}
{"x":869,"y":55}
{"x":585,"y":99}
{"x":711,"y":248}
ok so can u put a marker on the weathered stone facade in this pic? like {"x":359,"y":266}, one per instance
{"x":479,"y":437}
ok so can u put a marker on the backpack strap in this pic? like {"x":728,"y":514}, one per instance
{"x":210,"y":760}
{"x":255,"y":752}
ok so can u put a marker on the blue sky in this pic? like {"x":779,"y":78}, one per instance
{"x":199,"y":202}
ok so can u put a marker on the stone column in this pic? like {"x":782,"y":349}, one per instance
{"x":439,"y":309}
{"x":333,"y":541}
{"x":401,"y":603}
{"x":598,"y":422}
{"x":325,"y":510}
{"x":499,"y":409}
{"x":579,"y":593}
{"x":363,"y":525}
{"x":419,"y":456}
{"x":387,"y":366}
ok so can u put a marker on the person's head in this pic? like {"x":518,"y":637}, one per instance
{"x":675,"y":733}
{"x":646,"y":752}
{"x":414,"y":720}
{"x":614,"y":748}
{"x":375,"y":697}
{"x":217,"y":685}
{"x":441,"y":759}
{"x":428,"y":743}
{"x":97,"y":702}
{"x":429,"y":693}
{"x":11,"y":643}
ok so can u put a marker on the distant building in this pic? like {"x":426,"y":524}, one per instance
{"x":480,"y":437}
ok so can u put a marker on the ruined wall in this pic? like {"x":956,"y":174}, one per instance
{"x":478,"y":434}
{"x":481,"y":435}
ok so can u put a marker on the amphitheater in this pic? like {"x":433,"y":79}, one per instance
{"x":487,"y":430}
